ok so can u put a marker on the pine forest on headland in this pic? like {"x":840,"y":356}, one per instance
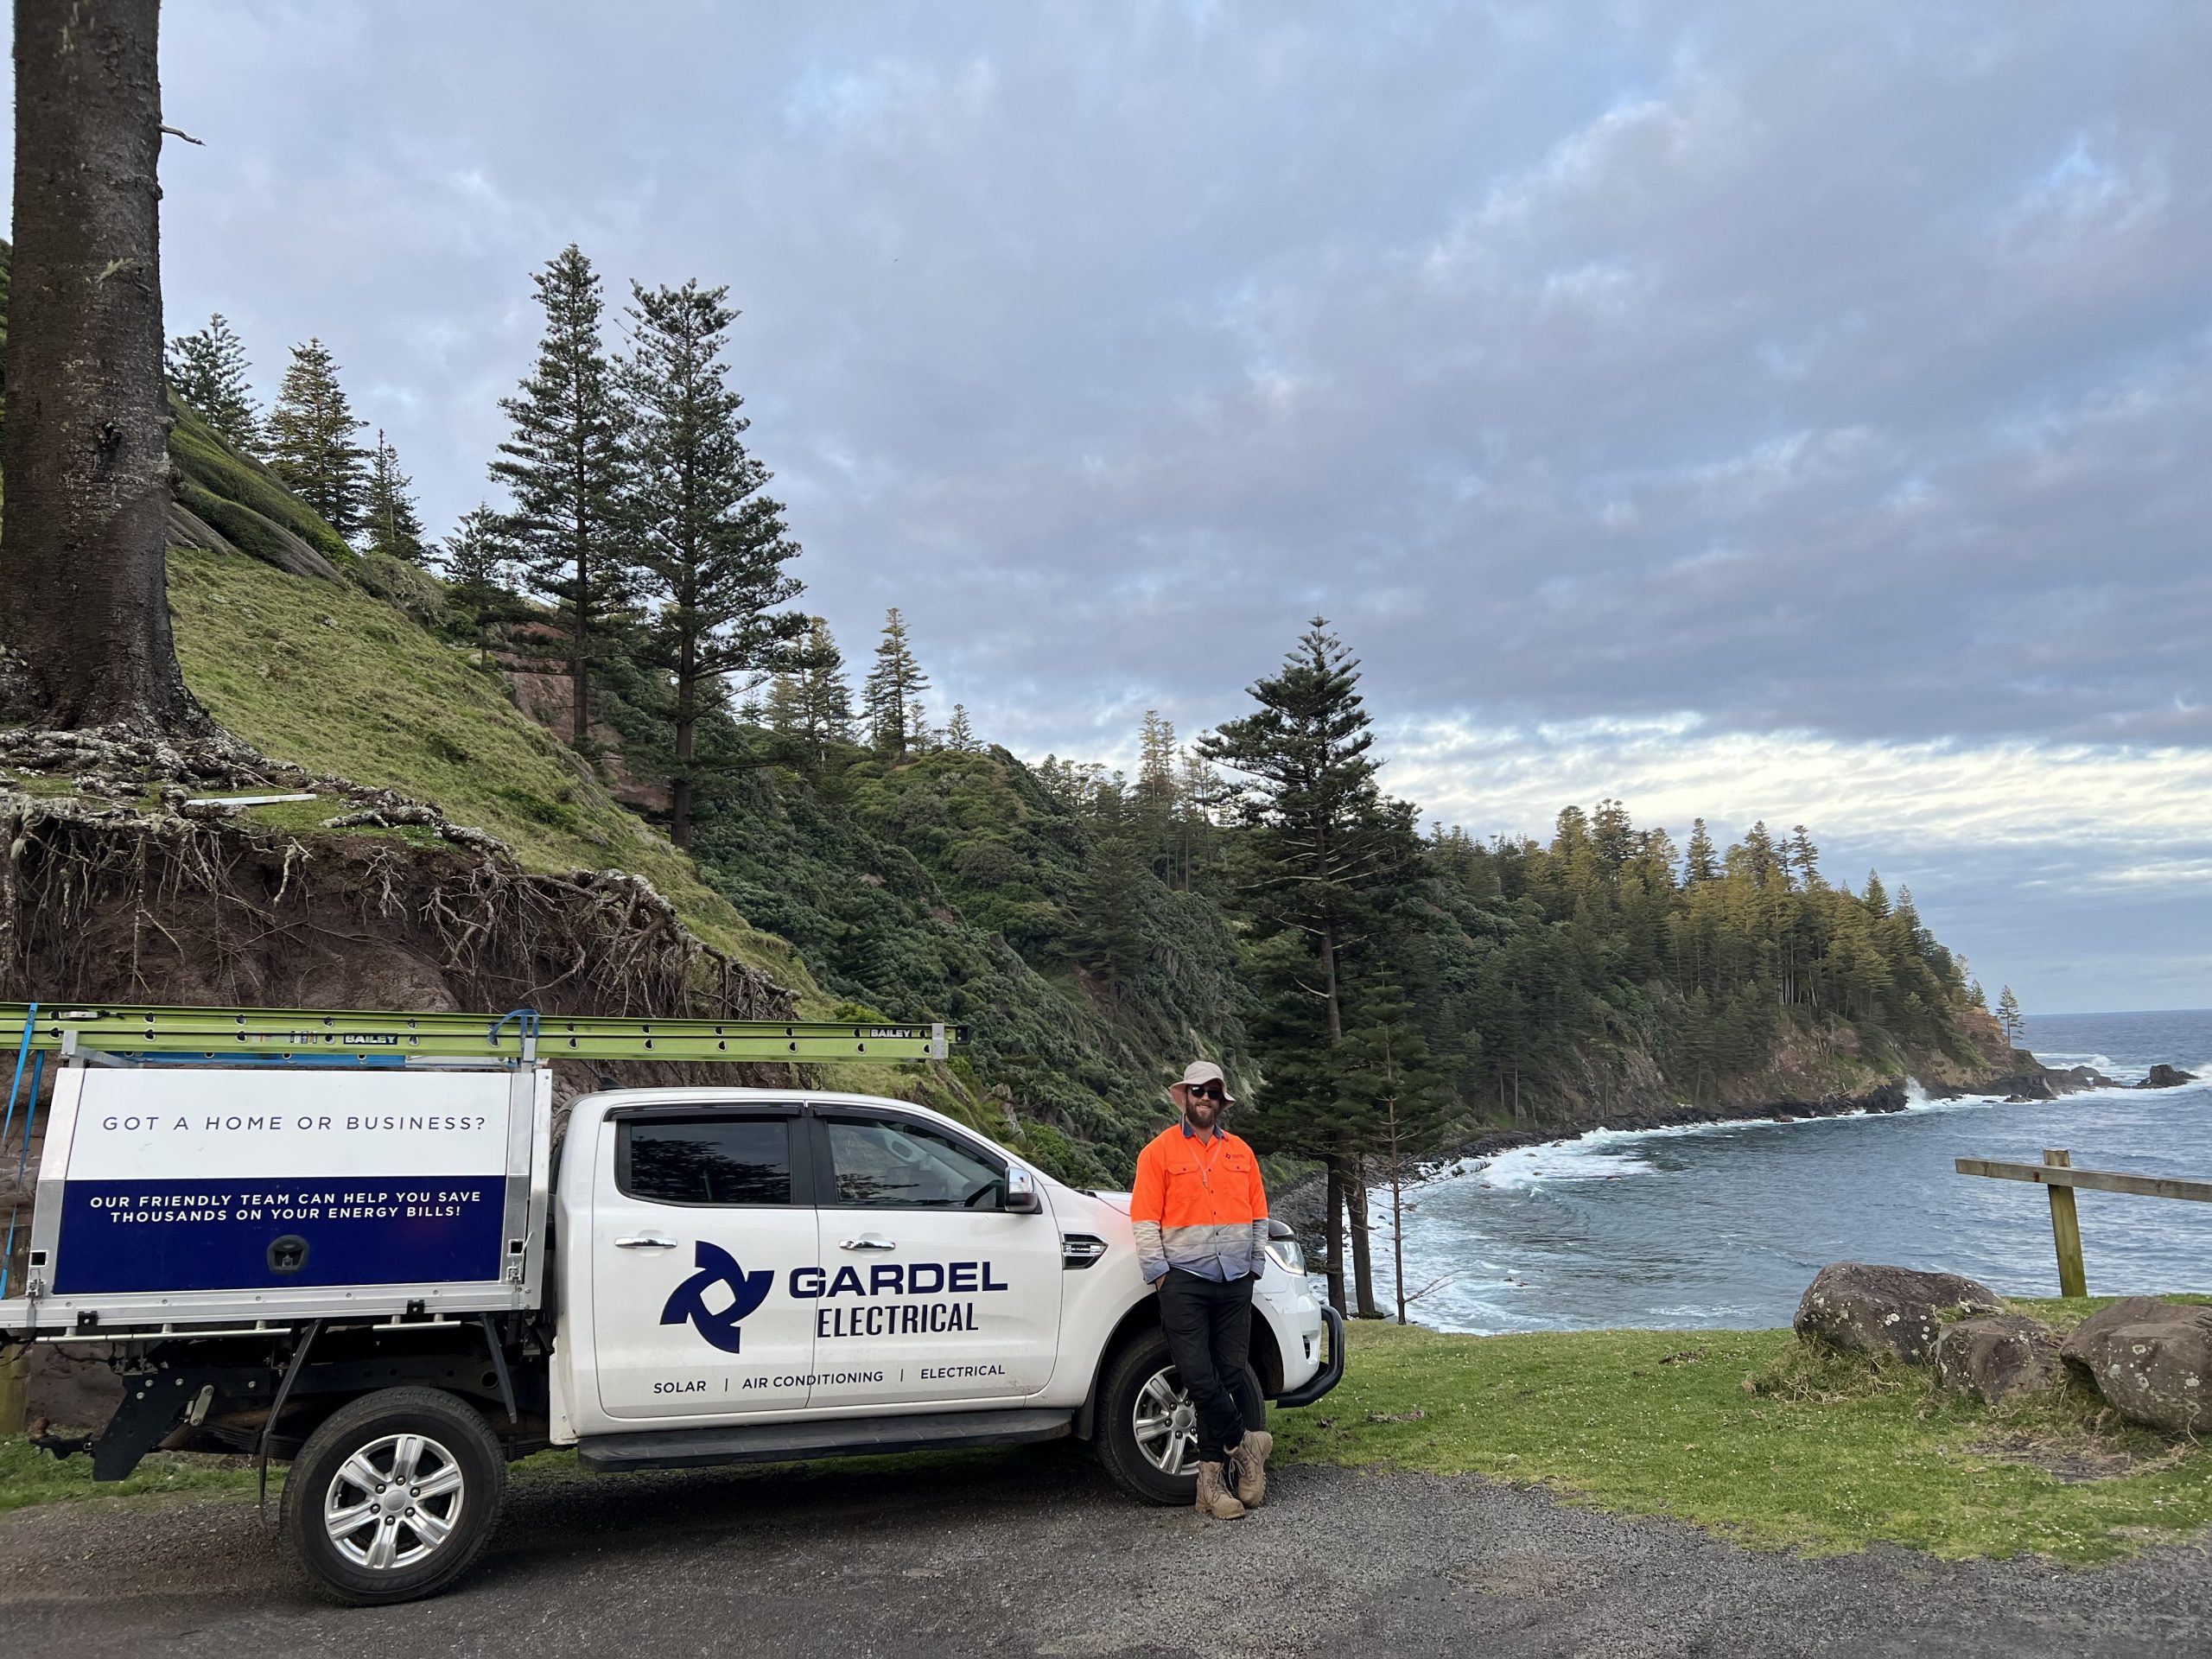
{"x":1373,"y":988}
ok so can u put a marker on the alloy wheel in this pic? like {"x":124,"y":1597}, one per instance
{"x":1166,"y":1424}
{"x":394,"y":1502}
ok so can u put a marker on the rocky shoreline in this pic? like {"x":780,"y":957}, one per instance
{"x":2051,"y":1083}
{"x":1885,"y":1097}
{"x":2041,"y":1082}
{"x":1300,"y":1204}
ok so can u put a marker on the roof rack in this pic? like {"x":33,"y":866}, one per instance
{"x":372,"y":1037}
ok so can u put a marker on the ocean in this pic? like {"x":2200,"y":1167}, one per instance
{"x":1726,"y":1225}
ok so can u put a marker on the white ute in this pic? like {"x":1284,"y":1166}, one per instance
{"x":378,"y":1275}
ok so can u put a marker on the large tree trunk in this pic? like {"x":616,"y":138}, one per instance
{"x":1333,"y":1265}
{"x":1397,"y":1218}
{"x":687,"y":726}
{"x":1363,"y":1248}
{"x":580,"y":641}
{"x":84,"y":592}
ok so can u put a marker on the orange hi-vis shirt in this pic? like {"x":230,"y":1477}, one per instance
{"x":1199,"y":1205}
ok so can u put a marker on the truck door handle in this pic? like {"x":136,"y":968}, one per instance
{"x":868,"y":1242}
{"x":644,"y":1242}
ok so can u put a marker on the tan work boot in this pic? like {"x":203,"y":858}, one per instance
{"x":1214,"y":1498}
{"x":1247,"y":1466}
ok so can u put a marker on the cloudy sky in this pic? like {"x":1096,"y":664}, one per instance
{"x":1787,"y":411}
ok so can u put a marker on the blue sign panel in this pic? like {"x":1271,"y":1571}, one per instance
{"x":257,"y":1234}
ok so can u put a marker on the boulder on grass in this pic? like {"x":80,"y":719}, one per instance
{"x":2151,"y":1360}
{"x":1865,"y":1308}
{"x":1999,"y":1355}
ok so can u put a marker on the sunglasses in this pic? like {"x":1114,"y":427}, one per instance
{"x":1208,"y":1091}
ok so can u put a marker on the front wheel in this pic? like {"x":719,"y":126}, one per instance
{"x":392,"y":1497}
{"x":1147,"y":1427}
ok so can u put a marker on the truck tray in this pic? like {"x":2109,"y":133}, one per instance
{"x":170,"y":1194}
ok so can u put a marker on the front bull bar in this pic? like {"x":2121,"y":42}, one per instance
{"x":1331,"y":1371}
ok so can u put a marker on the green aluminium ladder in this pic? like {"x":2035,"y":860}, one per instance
{"x":369,"y":1038}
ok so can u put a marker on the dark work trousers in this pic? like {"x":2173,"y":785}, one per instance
{"x":1209,"y":1327}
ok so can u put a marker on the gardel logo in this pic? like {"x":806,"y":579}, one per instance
{"x":688,"y":1300}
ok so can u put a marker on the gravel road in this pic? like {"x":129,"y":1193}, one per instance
{"x":1030,"y":1551}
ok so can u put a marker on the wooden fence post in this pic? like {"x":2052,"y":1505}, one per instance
{"x":15,"y":1363}
{"x":2066,"y":1230}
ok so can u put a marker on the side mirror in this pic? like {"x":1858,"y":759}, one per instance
{"x":1021,"y":1198}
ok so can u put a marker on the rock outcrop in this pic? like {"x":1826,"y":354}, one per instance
{"x":2045,"y":1082}
{"x":2150,"y":1359}
{"x":1999,"y":1355}
{"x":1867,"y":1308}
{"x":1882,"y":1097}
{"x":2166,"y":1076}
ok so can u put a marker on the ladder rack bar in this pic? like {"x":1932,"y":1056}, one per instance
{"x":217,"y":1033}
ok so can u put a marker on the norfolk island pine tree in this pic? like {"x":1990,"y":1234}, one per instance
{"x":710,"y":546}
{"x":565,"y":467}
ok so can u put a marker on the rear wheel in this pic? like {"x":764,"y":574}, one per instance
{"x":392,"y":1497}
{"x":1147,"y":1427}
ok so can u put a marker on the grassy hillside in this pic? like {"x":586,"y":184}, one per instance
{"x":328,"y":676}
{"x":324,"y":675}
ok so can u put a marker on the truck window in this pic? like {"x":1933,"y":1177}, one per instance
{"x":715,"y":1159}
{"x":882,"y":1163}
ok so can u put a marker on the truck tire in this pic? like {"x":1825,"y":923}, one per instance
{"x":392,"y":1497}
{"x":1146,"y":1434}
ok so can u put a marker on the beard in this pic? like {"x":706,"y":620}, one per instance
{"x":1202,"y":1113}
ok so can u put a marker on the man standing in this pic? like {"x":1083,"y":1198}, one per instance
{"x":1201,"y":1222}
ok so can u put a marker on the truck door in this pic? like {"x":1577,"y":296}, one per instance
{"x":928,"y":1290}
{"x":699,"y":1223}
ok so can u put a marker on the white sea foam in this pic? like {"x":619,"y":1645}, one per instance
{"x":1598,"y":1154}
{"x":1610,"y":1154}
{"x":1607,"y":1154}
{"x":2103,"y":1063}
{"x":1916,"y":1100}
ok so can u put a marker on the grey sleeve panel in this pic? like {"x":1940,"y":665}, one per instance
{"x":1259,"y":1248}
{"x":1152,"y":1250}
{"x":1222,"y":1247}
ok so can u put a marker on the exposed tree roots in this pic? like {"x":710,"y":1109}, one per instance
{"x":132,"y":897}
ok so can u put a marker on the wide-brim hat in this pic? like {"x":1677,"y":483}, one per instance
{"x":1205,"y":1071}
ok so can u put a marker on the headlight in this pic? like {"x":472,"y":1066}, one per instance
{"x":1288,"y":1255}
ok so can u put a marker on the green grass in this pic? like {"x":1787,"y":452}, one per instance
{"x":29,"y":1476}
{"x":2063,"y":1314}
{"x":240,"y":498}
{"x":39,"y":785}
{"x":1829,"y":1455}
{"x":305,"y":818}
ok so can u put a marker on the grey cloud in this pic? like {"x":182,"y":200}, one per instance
{"x":1837,"y":367}
{"x":1628,"y":359}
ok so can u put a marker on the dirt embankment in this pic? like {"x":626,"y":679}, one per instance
{"x":124,"y":890}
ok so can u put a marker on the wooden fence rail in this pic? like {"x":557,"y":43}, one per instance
{"x":2056,"y":1171}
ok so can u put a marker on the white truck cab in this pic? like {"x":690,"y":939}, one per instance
{"x":736,"y":1259}
{"x":385,"y":1277}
